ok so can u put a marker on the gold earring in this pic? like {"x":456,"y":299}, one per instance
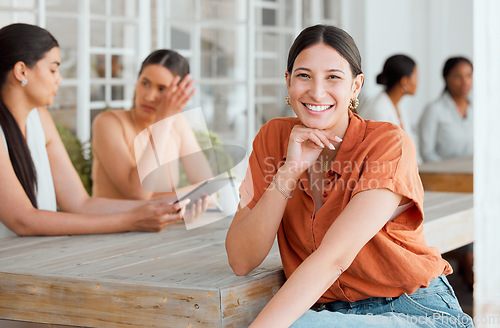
{"x":353,"y":104}
{"x":287,"y":100}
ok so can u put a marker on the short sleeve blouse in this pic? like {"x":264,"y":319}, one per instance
{"x":373,"y":155}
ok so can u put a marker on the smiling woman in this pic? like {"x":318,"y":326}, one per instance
{"x":344,"y":199}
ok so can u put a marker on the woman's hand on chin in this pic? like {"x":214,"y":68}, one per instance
{"x":306,"y":145}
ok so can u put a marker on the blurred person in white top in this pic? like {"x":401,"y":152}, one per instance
{"x":446,"y":126}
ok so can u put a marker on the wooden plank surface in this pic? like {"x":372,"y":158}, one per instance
{"x":452,"y":165}
{"x":449,"y":220}
{"x":451,"y":175}
{"x":168,"y":279}
{"x":175,"y":278}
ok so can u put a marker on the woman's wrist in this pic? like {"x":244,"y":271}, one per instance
{"x":285,"y":181}
{"x":289,"y":172}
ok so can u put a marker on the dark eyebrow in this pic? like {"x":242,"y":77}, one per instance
{"x":333,"y":70}
{"x":57,"y":63}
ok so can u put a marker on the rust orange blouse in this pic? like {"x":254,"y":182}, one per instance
{"x":372,"y":155}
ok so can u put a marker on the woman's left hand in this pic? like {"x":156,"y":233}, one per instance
{"x":176,"y":96}
{"x":195,"y":210}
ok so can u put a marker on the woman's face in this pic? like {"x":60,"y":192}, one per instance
{"x":150,"y":90}
{"x":459,"y":80}
{"x":320,"y":87}
{"x":413,"y":82}
{"x":44,"y":78}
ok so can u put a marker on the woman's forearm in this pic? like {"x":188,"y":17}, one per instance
{"x":103,"y":206}
{"x":362,"y":218}
{"x":252,"y":234}
{"x":48,"y":223}
{"x":304,"y":287}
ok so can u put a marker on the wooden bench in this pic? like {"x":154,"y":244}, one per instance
{"x":450,"y":175}
{"x":176,"y":278}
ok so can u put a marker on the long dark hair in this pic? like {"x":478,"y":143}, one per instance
{"x":29,"y":44}
{"x":395,"y":68}
{"x":450,"y":64}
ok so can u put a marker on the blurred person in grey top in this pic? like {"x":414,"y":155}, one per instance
{"x":446,"y":126}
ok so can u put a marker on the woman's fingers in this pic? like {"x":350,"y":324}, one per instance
{"x":176,"y":96}
{"x":320,"y":138}
{"x":186,"y":82}
{"x":186,"y":89}
{"x":327,"y":138}
{"x":171,"y":208}
{"x":316,"y":139}
{"x":206,"y":203}
{"x":331,"y":136}
{"x":174,"y":84}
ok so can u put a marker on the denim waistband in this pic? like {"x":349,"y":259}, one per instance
{"x":438,"y":284}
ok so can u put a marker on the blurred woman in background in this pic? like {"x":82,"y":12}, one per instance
{"x":36,"y":174}
{"x":446,"y":126}
{"x":399,"y":78}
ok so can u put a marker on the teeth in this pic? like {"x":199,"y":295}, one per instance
{"x":318,"y":108}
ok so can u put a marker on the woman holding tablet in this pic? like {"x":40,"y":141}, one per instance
{"x":163,"y":88}
{"x":36,"y":174}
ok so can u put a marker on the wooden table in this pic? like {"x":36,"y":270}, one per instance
{"x":176,"y":278}
{"x":449,"y":220}
{"x":450,"y":175}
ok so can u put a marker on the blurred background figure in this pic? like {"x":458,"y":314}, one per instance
{"x":446,"y":125}
{"x":41,"y":191}
{"x":399,"y":78}
{"x":163,"y":88}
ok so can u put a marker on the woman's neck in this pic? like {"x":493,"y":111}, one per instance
{"x":461,"y":102}
{"x":17,"y":103}
{"x":395,"y":94}
{"x":139,"y":124}
{"x":339,"y":130}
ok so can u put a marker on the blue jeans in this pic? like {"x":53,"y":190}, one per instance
{"x":434,"y":306}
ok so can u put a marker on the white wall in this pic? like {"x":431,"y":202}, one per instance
{"x":486,"y":158}
{"x":429,"y":31}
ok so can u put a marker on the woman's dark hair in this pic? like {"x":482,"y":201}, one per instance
{"x":450,"y":64}
{"x":28,"y":44}
{"x":333,"y":36}
{"x":169,"y":59}
{"x":395,"y":68}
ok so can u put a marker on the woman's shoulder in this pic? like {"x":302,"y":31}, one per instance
{"x":379,"y":108}
{"x":41,"y":116}
{"x":111,"y":119}
{"x":385,"y":133}
{"x":385,"y":142}
{"x":273,"y":135}
{"x":438,"y":104}
{"x":43,"y":113}
{"x":112,"y":114}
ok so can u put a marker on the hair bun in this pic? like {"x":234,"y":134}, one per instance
{"x":381,"y":79}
